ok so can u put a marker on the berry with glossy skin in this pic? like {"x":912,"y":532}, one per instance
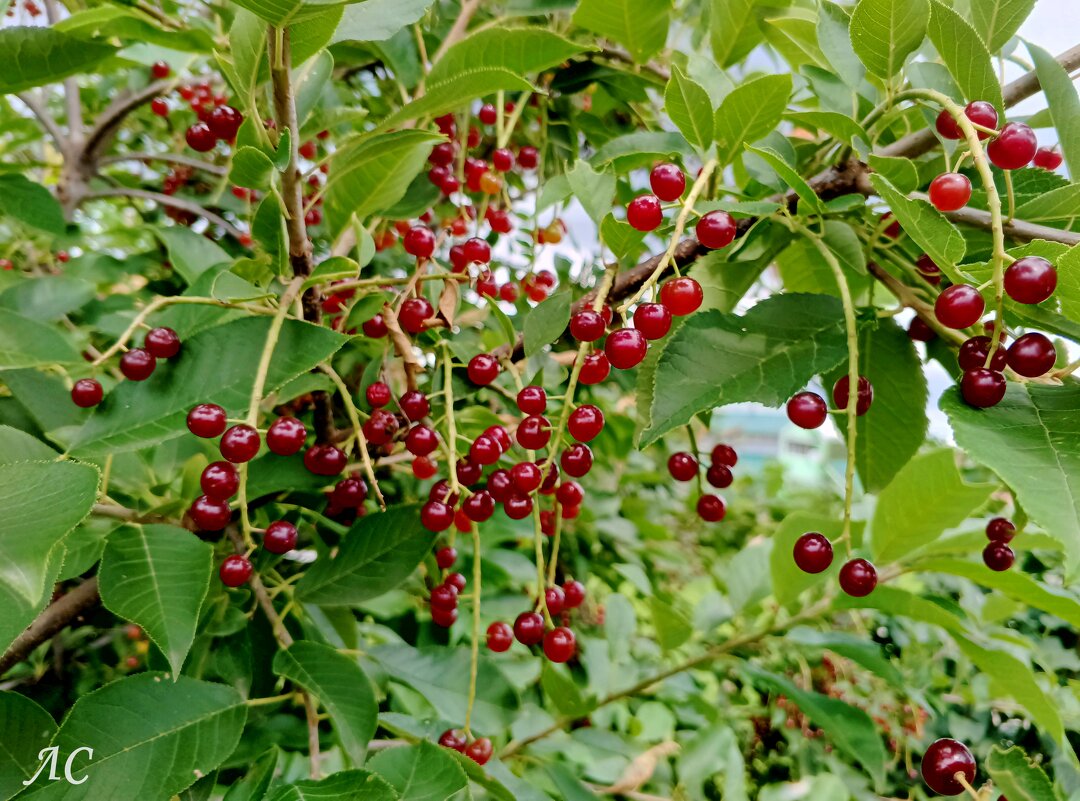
{"x":595,"y":367}
{"x":468,"y":472}
{"x":534,"y":432}
{"x":930,"y":272}
{"x":972,"y":354}
{"x":457,"y":581}
{"x":325,"y":460}
{"x":719,"y":476}
{"x":235,"y":570}
{"x":488,"y":114}
{"x":1031,"y":355}
{"x":421,"y":440}
{"x":570,"y":493}
{"x":163,"y":343}
{"x":453,"y":739}
{"x":476,"y":250}
{"x":526,"y":477}
{"x":653,"y":320}
{"x":587,"y":326}
{"x":644,"y":213}
{"x":419,"y":242}
{"x":532,"y":400}
{"x":998,"y":556}
{"x":483,"y":369}
{"x":518,"y":506}
{"x":1047,"y":158}
{"x":950,"y":191}
{"x":1031,"y":279}
{"x":286,"y":436}
{"x":858,"y":578}
{"x":479,"y":506}
{"x":502,"y":159}
{"x":499,"y":637}
{"x":423,"y":468}
{"x":555,"y":600}
{"x":445,"y":618}
{"x":529,"y":628}
{"x":813,"y":553}
{"x":444,"y":597}
{"x":1000,"y":529}
{"x":573,"y":594}
{"x":414,"y":405}
{"x":725,"y":455}
{"x":681,"y":296}
{"x":625,"y":348}
{"x":206,"y":420}
{"x":280,"y":537}
{"x":436,"y":516}
{"x":375,"y":327}
{"x":414,"y":312}
{"x":942,"y":761}
{"x":978,"y":111}
{"x":982,"y":388}
{"x":87,"y":392}
{"x":863,"y":398}
{"x":577,"y":460}
{"x":445,"y":558}
{"x":682,"y":466}
{"x":711,"y":508}
{"x":585,"y":422}
{"x":381,"y":427}
{"x":919,"y":331}
{"x":210,"y":514}
{"x":1014,"y":147}
{"x":219,"y":481}
{"x":137,"y":364}
{"x":225,"y":121}
{"x":560,"y":644}
{"x":349,"y":493}
{"x":959,"y":306}
{"x":807,"y":410}
{"x":479,"y":750}
{"x":667,"y":182}
{"x":240,"y":443}
{"x":200,"y":138}
{"x":716,"y":229}
{"x":528,"y":157}
{"x":377,"y":394}
{"x":160,"y":70}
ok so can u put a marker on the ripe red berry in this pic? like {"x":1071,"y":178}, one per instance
{"x":488,"y":114}
{"x":423,"y":468}
{"x":476,"y":250}
{"x":982,"y":388}
{"x":653,"y":320}
{"x":436,"y":516}
{"x":499,"y":637}
{"x":725,"y":455}
{"x":863,"y":398}
{"x":457,"y":581}
{"x":444,"y":597}
{"x":453,"y":739}
{"x":529,"y":628}
{"x":87,"y":392}
{"x":950,"y":191}
{"x":484,"y":450}
{"x":528,"y":157}
{"x":1014,"y":147}
{"x":595,"y":367}
{"x":534,"y":432}
{"x":206,"y":420}
{"x":532,"y":400}
{"x":979,"y":112}
{"x":526,"y":477}
{"x":414,"y":312}
{"x":219,"y":481}
{"x":235,"y":570}
{"x":959,"y":306}
{"x":286,"y":436}
{"x":711,"y":509}
{"x":160,"y":107}
{"x":716,"y":229}
{"x":468,"y":472}
{"x":160,"y":70}
{"x":719,"y":476}
{"x":200,"y":138}
{"x":681,"y":296}
{"x":518,"y":506}
{"x":625,"y":348}
{"x":137,"y":364}
{"x":479,"y":750}
{"x":375,"y":327}
{"x":998,"y":556}
{"x":999,"y":529}
{"x":577,"y":460}
{"x":554,"y":600}
{"x":972,"y":354}
{"x":573,"y":594}
{"x":1031,"y":279}
{"x":442,"y":155}
{"x":349,"y":493}
{"x":570,"y":493}
{"x":483,"y":369}
{"x":421,"y":440}
{"x":644,"y":213}
{"x":1031,"y":355}
{"x":667,"y":182}
{"x":210,"y":514}
{"x":919,"y":331}
{"x":560,"y":644}
{"x":325,"y":460}
{"x":419,"y":242}
{"x":585,"y":422}
{"x":682,"y":466}
{"x":414,"y":405}
{"x":807,"y":410}
{"x":1048,"y":158}
{"x":225,"y":121}
{"x":930,"y":272}
{"x":444,"y":618}
{"x":813,"y":553}
{"x":445,"y":558}
{"x":280,"y":537}
{"x":942,"y":761}
{"x":240,"y":443}
{"x":377,"y":394}
{"x":858,"y":578}
{"x":587,"y":326}
{"x":163,"y":343}
{"x":502,"y":159}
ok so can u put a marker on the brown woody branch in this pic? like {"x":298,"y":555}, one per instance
{"x":167,"y":200}
{"x":57,"y":616}
{"x":167,"y":158}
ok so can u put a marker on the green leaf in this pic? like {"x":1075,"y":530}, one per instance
{"x":190,"y":254}
{"x":28,"y":343}
{"x":749,"y":113}
{"x":340,"y":685}
{"x":346,"y":785}
{"x":27,"y":729}
{"x":621,"y":238}
{"x":379,"y":552}
{"x":1018,"y":778}
{"x":840,"y":126}
{"x":834,"y":38}
{"x":441,"y":675}
{"x":564,"y":692}
{"x":47,"y":299}
{"x":374,"y":172}
{"x":769,"y":354}
{"x":17,"y":612}
{"x":151,"y":737}
{"x":546,"y":322}
{"x":1064,"y":104}
{"x":523,"y":51}
{"x":849,"y":727}
{"x":850,"y":646}
{"x":790,"y":177}
{"x":1028,"y":439}
{"x":284,"y":13}
{"x":378,"y":20}
{"x":885,"y":32}
{"x":18,"y":446}
{"x":251,"y":168}
{"x":903,"y":521}
{"x":218,"y":366}
{"x":457,"y":91}
{"x":690,"y":108}
{"x":30,"y":203}
{"x":255,"y":783}
{"x":733,"y":30}
{"x":40,"y":502}
{"x":309,"y":81}
{"x":1056,"y":205}
{"x":40,"y":55}
{"x":900,"y":603}
{"x":157,"y":576}
{"x":788,"y":582}
{"x":1068,"y":291}
{"x":901,"y":173}
{"x":670,"y":625}
{"x":594,"y":190}
{"x":964,"y":54}
{"x":997,"y":21}
{"x":938,"y":237}
{"x":641,"y":26}
{"x":422,"y":772}
{"x":640,"y":148}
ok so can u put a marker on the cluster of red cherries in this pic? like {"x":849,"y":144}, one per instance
{"x":137,"y":364}
{"x":217,"y":120}
{"x":684,"y":466}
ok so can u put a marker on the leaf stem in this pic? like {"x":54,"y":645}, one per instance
{"x":474,"y":656}
{"x":360,"y":443}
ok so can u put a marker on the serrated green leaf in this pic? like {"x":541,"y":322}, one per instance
{"x":1017,"y":777}
{"x":30,"y":203}
{"x":834,"y":38}
{"x":378,"y":20}
{"x":346,"y":785}
{"x":251,"y":168}
{"x":733,"y":30}
{"x":885,"y":32}
{"x":40,"y":55}
{"x":964,"y":54}
{"x":938,"y":237}
{"x":690,"y":108}
{"x":28,"y":343}
{"x":900,"y":172}
{"x":27,"y":729}
{"x":421,"y":772}
{"x":641,"y":26}
{"x":190,"y":254}
{"x":595,"y":191}
{"x":546,"y":322}
{"x":790,"y":177}
{"x":996,"y":21}
{"x":752,"y":111}
{"x":523,"y":51}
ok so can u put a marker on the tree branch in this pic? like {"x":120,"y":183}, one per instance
{"x":56,"y":616}
{"x":169,"y":200}
{"x":109,"y":121}
{"x":167,"y":158}
{"x":46,"y":119}
{"x":1017,"y":229}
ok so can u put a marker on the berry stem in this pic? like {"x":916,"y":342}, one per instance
{"x":474,"y":657}
{"x":963,"y":782}
{"x":680,"y":225}
{"x":451,"y":420}
{"x":360,"y":441}
{"x":538,"y":544}
{"x":556,"y":540}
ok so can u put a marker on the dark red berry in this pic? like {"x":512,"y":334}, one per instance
{"x":725,"y":455}
{"x":457,"y":581}
{"x":529,"y":628}
{"x":573,"y":594}
{"x":570,"y":493}
{"x":972,"y":354}
{"x":1031,"y":355}
{"x":644,"y":213}
{"x":160,"y":70}
{"x":219,"y":481}
{"x":950,"y":191}
{"x":681,"y":296}
{"x":863,"y":398}
{"x":942,"y":761}
{"x":419,"y":242}
{"x":488,"y":114}
{"x":445,"y":558}
{"x":499,"y":637}
{"x":532,"y":400}
{"x":240,"y":443}
{"x":528,"y":158}
{"x":959,"y":306}
{"x":1014,"y":147}
{"x":280,"y":537}
{"x":560,"y":644}
{"x":160,"y":106}
{"x":442,"y":155}
{"x":1031,"y":279}
{"x":483,"y":369}
{"x":325,"y":460}
{"x":587,"y":326}
{"x":349,"y":493}
{"x":667,"y":182}
{"x":813,"y":553}
{"x":585,"y":422}
{"x":225,"y":121}
{"x":414,"y":405}
{"x":163,"y":343}
{"x":479,"y":506}
{"x":87,"y":392}
{"x":858,"y":578}
{"x":210,"y":514}
{"x":526,"y":477}
{"x":200,"y":138}
{"x":414,"y":312}
{"x":377,"y":394}
{"x":468,"y":472}
{"x":423,"y":468}
{"x":595,"y":367}
{"x":444,"y":597}
{"x":534,"y":432}
{"x":381,"y":427}
{"x":421,"y":440}
{"x":982,"y":388}
{"x":930,"y":272}
{"x":554,"y":600}
{"x":716,"y":229}
{"x":286,"y":436}
{"x":807,"y":410}
{"x":998,"y":556}
{"x":919,"y":331}
{"x":577,"y":460}
{"x":719,"y":476}
{"x":682,"y":466}
{"x":711,"y":509}
{"x":137,"y":364}
{"x":375,"y":327}
{"x":235,"y":570}
{"x":206,"y":420}
{"x":1048,"y":158}
{"x":979,"y":112}
{"x":999,"y":529}
{"x":653,"y":320}
{"x":453,"y":739}
{"x":518,"y":506}
{"x":625,"y":348}
{"x":479,"y":750}
{"x":476,"y":250}
{"x":444,"y":618}
{"x":436,"y":516}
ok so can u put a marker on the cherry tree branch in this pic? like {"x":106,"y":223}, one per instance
{"x":167,"y":158}
{"x":168,"y":200}
{"x":1016,"y":229}
{"x":56,"y":616}
{"x":37,"y":108}
{"x":109,"y":121}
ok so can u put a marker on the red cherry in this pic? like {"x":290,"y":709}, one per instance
{"x":502,"y":159}
{"x":585,"y":422}
{"x":972,"y":354}
{"x":681,"y":296}
{"x":349,"y":493}
{"x":725,"y":455}
{"x":414,"y":312}
{"x":375,"y":327}
{"x":137,"y":364}
{"x":499,"y":637}
{"x":555,"y":601}
{"x":570,"y":493}
{"x":574,"y":594}
{"x":476,"y":250}
{"x":625,"y":348}
{"x":526,"y":477}
{"x":1014,"y":147}
{"x":1031,"y":355}
{"x":468,"y":472}
{"x":87,"y":392}
{"x":644,"y":213}
{"x":863,"y":398}
{"x":160,"y":107}
{"x":444,"y":618}
{"x":982,"y":388}
{"x":436,"y":516}
{"x":529,"y":628}
{"x":445,"y":558}
{"x":414,"y":405}
{"x":206,"y":420}
{"x":587,"y":326}
{"x":500,"y":484}
{"x":457,"y":581}
{"x":959,"y":306}
{"x":325,"y":460}
{"x":377,"y":394}
{"x":716,"y":229}
{"x":517,"y":506}
{"x":280,"y":537}
{"x":483,"y":369}
{"x":484,"y":450}
{"x":682,"y":466}
{"x":813,"y":553}
{"x":942,"y":761}
{"x":653,"y":320}
{"x":719,"y":476}
{"x":560,"y":644}
{"x":453,"y":739}
{"x":488,"y":114}
{"x":444,"y":597}
{"x":534,"y":432}
{"x":163,"y":343}
{"x":807,"y":410}
{"x":1000,"y":529}
{"x":595,"y":367}
{"x":219,"y":481}
{"x":667,"y":182}
{"x":225,"y":121}
{"x":286,"y":436}
{"x":160,"y":70}
{"x":479,"y":506}
{"x":978,"y":111}
{"x":858,"y":578}
{"x":528,"y":157}
{"x":423,"y":468}
{"x":200,"y":138}
{"x":235,"y":570}
{"x":240,"y":443}
{"x":479,"y":750}
{"x":308,"y":150}
{"x":210,"y":514}
{"x":950,"y":191}
{"x":711,"y":509}
{"x":532,"y":400}
{"x":419,"y":242}
{"x":442,"y":155}
{"x":1031,"y":279}
{"x":577,"y":460}
{"x":928,"y":270}
{"x":421,"y":440}
{"x":1048,"y":158}
{"x":919,"y":331}
{"x":998,"y":556}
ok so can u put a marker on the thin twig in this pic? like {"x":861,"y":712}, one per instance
{"x":169,"y":200}
{"x":57,"y":616}
{"x":168,"y":158}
